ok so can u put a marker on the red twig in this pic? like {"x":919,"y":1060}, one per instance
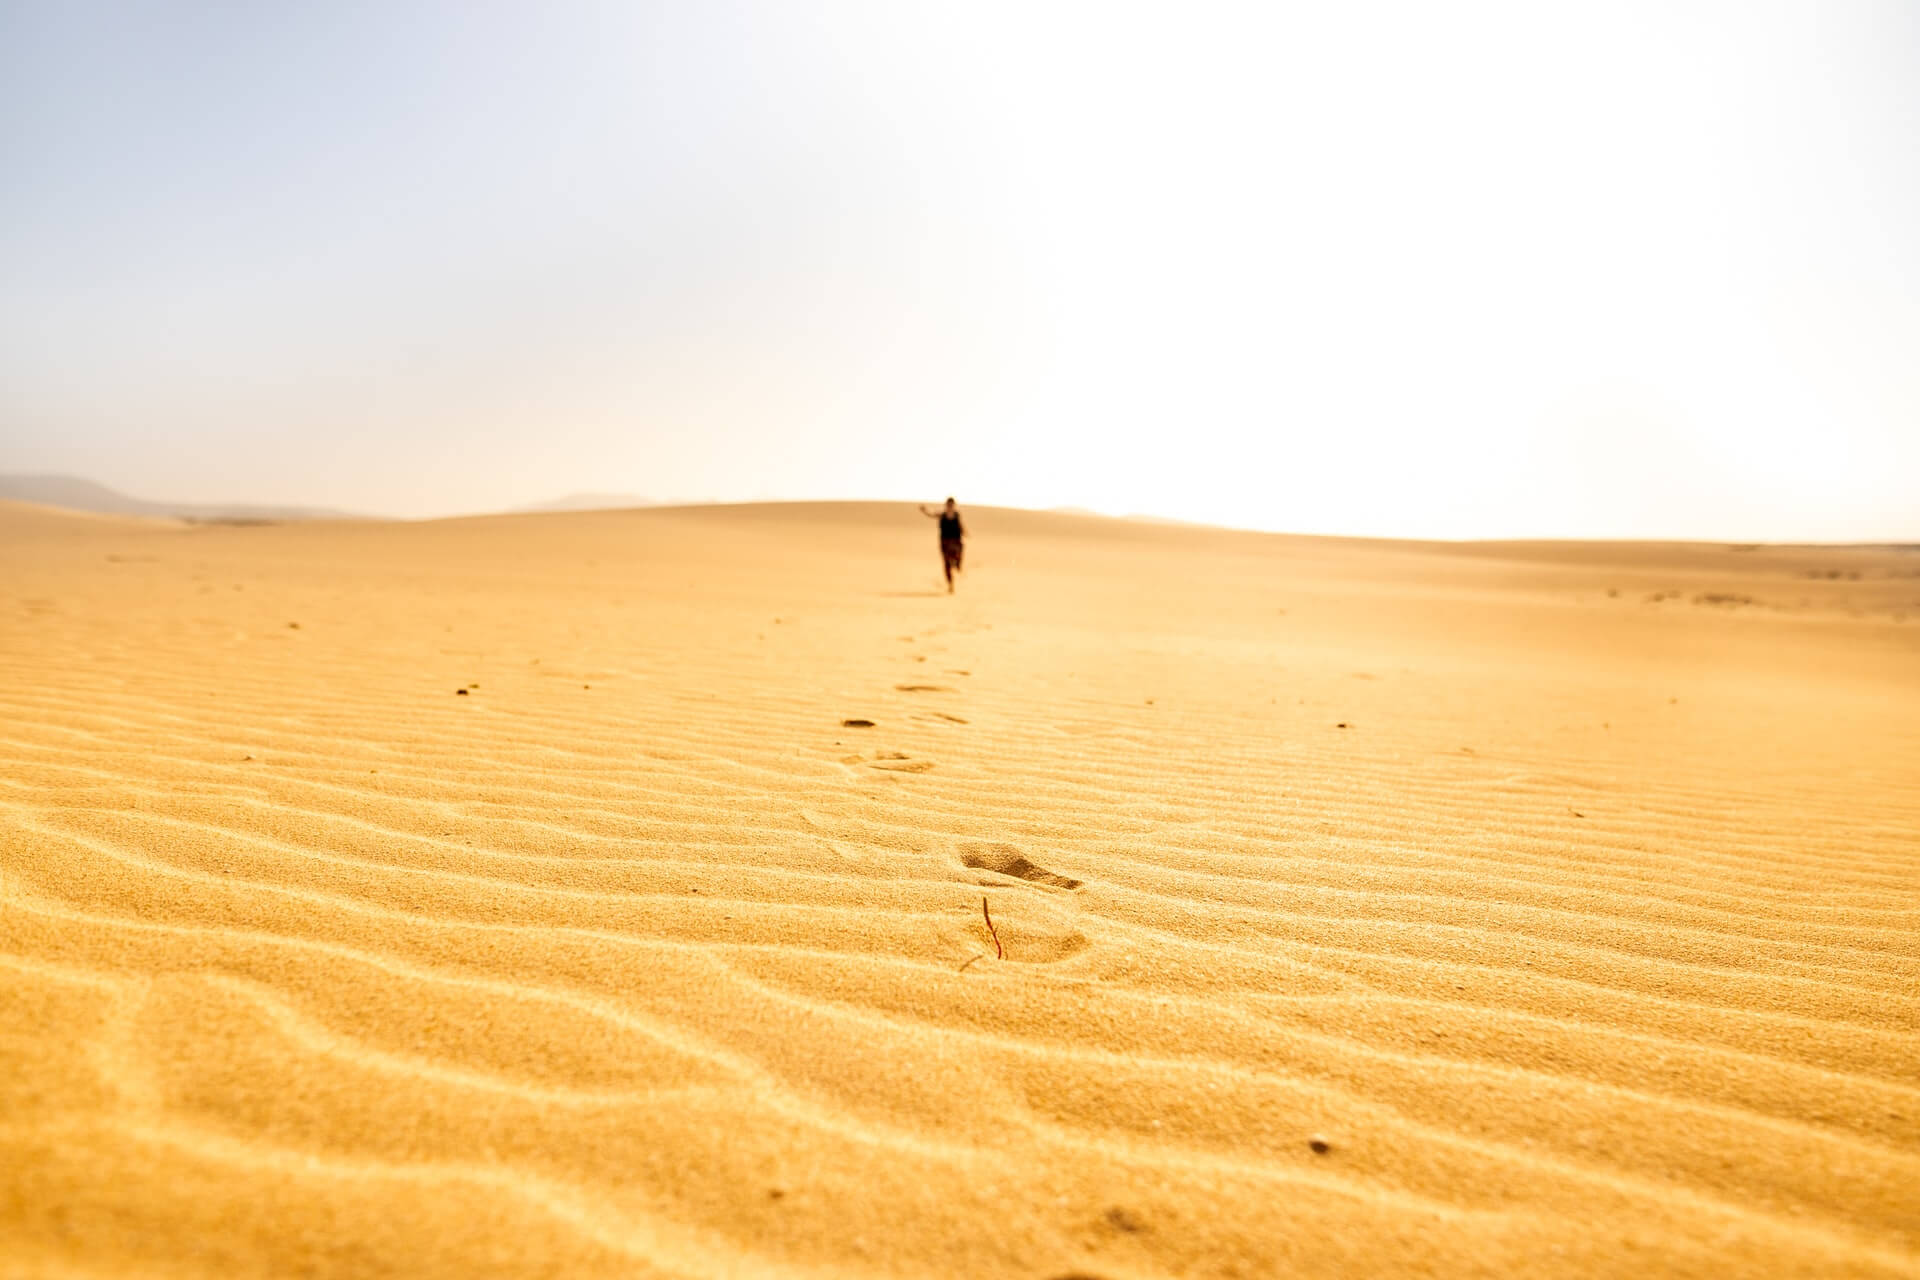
{"x":999,"y":951}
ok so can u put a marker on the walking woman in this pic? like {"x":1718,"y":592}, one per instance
{"x":953,"y":536}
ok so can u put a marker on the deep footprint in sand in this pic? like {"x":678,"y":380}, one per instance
{"x":1009,"y":861}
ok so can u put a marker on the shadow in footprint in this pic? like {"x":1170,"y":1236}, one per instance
{"x":1009,"y":861}
{"x":897,"y":762}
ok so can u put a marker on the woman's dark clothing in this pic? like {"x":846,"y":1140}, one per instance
{"x":952,"y":546}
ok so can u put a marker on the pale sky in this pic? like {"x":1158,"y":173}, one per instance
{"x":1421,"y":270}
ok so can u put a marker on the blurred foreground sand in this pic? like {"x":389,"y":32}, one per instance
{"x":1570,"y":895}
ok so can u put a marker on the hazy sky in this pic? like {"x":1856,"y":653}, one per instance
{"x":1445,"y":270}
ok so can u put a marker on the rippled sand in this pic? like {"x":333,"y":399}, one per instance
{"x":1367,"y":908}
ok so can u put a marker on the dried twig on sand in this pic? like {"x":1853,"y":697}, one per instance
{"x":999,"y":951}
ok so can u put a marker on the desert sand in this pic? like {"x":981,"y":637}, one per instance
{"x":511,"y":897}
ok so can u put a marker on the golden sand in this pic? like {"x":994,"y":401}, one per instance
{"x":1368,"y":908}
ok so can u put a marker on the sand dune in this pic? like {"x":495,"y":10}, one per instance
{"x":515,"y":896}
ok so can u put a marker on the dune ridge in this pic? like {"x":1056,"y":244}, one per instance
{"x":1368,"y":908}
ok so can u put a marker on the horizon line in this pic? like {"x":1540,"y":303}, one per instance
{"x":258,"y":513}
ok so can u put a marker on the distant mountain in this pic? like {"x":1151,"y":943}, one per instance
{"x":77,"y":494}
{"x":587,"y":502}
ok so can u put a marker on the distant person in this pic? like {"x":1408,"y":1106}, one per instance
{"x":953,"y":538}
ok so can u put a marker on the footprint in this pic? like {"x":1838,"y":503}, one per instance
{"x":856,"y":724}
{"x":924,"y":688}
{"x":1050,"y":949}
{"x":891,"y":761}
{"x":1009,"y":861}
{"x":1032,"y":928}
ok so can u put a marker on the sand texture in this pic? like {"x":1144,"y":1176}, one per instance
{"x":1368,"y":908}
